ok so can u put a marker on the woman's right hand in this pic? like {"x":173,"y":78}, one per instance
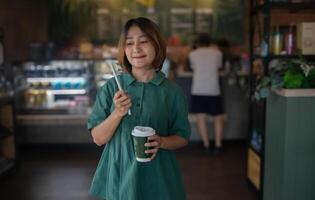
{"x":122,"y":102}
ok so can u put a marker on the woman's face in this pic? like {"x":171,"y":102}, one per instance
{"x":138,"y":49}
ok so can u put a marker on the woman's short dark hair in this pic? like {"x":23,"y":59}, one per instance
{"x":152,"y":31}
{"x":204,"y":39}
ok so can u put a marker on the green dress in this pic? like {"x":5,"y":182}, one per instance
{"x":159,"y":104}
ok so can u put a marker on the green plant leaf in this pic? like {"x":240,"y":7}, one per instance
{"x":292,"y":79}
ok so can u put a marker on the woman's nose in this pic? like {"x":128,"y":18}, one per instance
{"x":136,"y":47}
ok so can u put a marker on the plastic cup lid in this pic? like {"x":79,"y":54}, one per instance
{"x":143,"y":131}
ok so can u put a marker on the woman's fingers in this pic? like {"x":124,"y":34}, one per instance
{"x":154,"y":151}
{"x":118,"y":94}
{"x":121,"y":96}
{"x":122,"y":102}
{"x":125,"y":102}
{"x":154,"y":144}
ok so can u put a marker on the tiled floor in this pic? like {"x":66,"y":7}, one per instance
{"x":64,"y":173}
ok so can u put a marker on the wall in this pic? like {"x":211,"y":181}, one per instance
{"x":23,"y":22}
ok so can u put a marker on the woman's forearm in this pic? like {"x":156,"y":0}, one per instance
{"x":103,"y":132}
{"x":173,"y":142}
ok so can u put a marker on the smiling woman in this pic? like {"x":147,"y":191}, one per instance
{"x":154,"y":102}
{"x":138,"y":49}
{"x":148,"y":34}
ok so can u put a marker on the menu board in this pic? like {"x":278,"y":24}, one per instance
{"x":182,"y":24}
{"x":181,"y":20}
{"x":108,"y":24}
{"x":103,"y":22}
{"x":203,"y":20}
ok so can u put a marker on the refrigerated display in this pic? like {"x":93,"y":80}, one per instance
{"x":55,"y":97}
{"x":57,"y":84}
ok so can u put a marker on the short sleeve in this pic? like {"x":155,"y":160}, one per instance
{"x":179,"y":123}
{"x":101,"y":107}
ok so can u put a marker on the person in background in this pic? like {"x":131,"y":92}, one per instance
{"x":206,"y":61}
{"x":166,"y":67}
{"x":154,"y":101}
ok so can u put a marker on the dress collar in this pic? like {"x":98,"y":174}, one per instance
{"x":157,"y":80}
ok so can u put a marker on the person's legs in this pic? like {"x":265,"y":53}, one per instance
{"x":218,"y":130}
{"x":202,"y":126}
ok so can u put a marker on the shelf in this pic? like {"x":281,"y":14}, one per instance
{"x":56,"y":79}
{"x":69,"y":60}
{"x":254,"y":169}
{"x":5,"y":165}
{"x":66,"y":92}
{"x":44,"y":120}
{"x":40,"y":110}
{"x":287,"y":6}
{"x":307,"y":57}
{"x":309,"y":92}
{"x":62,"y":91}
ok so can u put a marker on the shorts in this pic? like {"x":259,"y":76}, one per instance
{"x":212,"y":105}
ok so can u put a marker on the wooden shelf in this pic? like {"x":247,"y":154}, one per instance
{"x":262,"y":19}
{"x":293,"y":7}
{"x":254,"y":168}
{"x":270,"y":57}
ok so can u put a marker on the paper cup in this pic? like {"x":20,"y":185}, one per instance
{"x":140,"y":137}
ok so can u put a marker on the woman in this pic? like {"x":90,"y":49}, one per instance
{"x":206,"y":61}
{"x":153,"y":101}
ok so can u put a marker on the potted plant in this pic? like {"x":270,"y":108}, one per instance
{"x":289,"y":129}
{"x":286,"y":74}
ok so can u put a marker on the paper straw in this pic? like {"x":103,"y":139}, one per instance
{"x":117,"y":81}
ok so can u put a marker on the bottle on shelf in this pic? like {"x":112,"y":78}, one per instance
{"x":289,"y":41}
{"x":263,"y":48}
{"x":277,"y":41}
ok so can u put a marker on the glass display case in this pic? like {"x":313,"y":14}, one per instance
{"x":57,"y":85}
{"x":55,"y":98}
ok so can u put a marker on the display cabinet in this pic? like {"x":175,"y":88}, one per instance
{"x":274,"y":35}
{"x":53,"y":100}
{"x":56,"y":84}
{"x":55,"y":97}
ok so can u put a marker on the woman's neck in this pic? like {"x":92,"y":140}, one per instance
{"x":143,"y":75}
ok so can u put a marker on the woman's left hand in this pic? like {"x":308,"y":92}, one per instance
{"x":154,"y":142}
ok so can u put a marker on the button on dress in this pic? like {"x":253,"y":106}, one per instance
{"x":160,"y":104}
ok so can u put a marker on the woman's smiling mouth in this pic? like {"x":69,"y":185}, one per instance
{"x":138,"y":57}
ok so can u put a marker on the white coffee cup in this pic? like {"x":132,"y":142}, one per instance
{"x":140,"y":137}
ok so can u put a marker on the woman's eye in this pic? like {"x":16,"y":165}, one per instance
{"x":129,"y":43}
{"x":145,"y":41}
